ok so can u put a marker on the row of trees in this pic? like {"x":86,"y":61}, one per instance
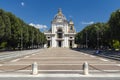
{"x":101,"y":35}
{"x":16,"y":34}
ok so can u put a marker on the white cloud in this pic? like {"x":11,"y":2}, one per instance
{"x":38,"y":26}
{"x":87,"y":23}
{"x":22,"y":4}
{"x":70,"y":16}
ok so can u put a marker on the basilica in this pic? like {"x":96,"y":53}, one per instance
{"x":62,"y":32}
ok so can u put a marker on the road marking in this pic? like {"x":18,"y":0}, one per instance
{"x":66,"y":64}
{"x":61,"y":75}
{"x":26,"y":56}
{"x":15,"y":60}
{"x":1,"y":65}
{"x":118,"y":64}
{"x":103,"y":59}
{"x":86,"y":54}
{"x":33,"y":54}
{"x":92,"y":56}
{"x":82,"y":53}
{"x":59,"y":58}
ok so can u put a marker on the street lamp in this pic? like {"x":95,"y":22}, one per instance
{"x":98,"y":39}
{"x":86,"y":39}
{"x":21,"y":38}
{"x":32,"y":38}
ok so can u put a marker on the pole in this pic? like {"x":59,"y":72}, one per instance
{"x":86,"y":40}
{"x":21,"y":39}
{"x":32,"y":39}
{"x":98,"y":39}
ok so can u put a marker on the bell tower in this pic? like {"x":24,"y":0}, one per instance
{"x":71,"y":26}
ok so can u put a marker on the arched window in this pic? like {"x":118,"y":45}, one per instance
{"x":59,"y":30}
{"x":59,"y":33}
{"x":71,"y":28}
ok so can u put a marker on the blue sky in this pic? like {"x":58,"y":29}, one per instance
{"x":41,"y":12}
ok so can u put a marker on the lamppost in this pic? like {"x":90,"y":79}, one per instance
{"x":86,"y":39}
{"x":21,"y":39}
{"x":32,"y":38}
{"x":98,"y":39}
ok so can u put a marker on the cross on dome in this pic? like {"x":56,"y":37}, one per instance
{"x":59,"y":17}
{"x":60,"y":11}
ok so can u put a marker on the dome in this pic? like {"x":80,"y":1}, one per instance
{"x":59,"y":17}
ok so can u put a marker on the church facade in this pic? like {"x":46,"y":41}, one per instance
{"x":62,"y":32}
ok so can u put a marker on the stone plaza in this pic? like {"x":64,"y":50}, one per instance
{"x":60,"y":61}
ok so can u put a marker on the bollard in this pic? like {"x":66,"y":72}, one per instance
{"x":85,"y":68}
{"x":35,"y":68}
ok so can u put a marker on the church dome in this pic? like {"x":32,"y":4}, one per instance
{"x":59,"y":17}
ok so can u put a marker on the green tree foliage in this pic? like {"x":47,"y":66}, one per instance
{"x":114,"y":23}
{"x":2,"y":26}
{"x":102,"y":34}
{"x":116,"y":44}
{"x":94,"y":35}
{"x":16,"y":34}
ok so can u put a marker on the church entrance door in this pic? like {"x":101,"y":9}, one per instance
{"x":48,"y":44}
{"x":70,"y":43}
{"x":59,"y":43}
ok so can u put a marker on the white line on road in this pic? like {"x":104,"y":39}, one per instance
{"x":67,"y":70}
{"x":65,"y":64}
{"x":62,"y":75}
{"x":15,"y":60}
{"x":33,"y":54}
{"x":86,"y":54}
{"x":61,"y":58}
{"x":26,"y":56}
{"x":118,"y":64}
{"x":1,"y":65}
{"x":45,"y":57}
{"x":92,"y":56}
{"x":82,"y":53}
{"x":103,"y":59}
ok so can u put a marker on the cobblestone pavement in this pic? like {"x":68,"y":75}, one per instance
{"x":60,"y":60}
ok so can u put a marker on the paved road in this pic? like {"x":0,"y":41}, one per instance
{"x":15,"y":54}
{"x":48,"y":78}
{"x":60,"y":60}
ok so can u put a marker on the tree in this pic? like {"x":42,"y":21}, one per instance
{"x":15,"y":33}
{"x":2,"y":26}
{"x":114,"y":23}
{"x":93,"y":36}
